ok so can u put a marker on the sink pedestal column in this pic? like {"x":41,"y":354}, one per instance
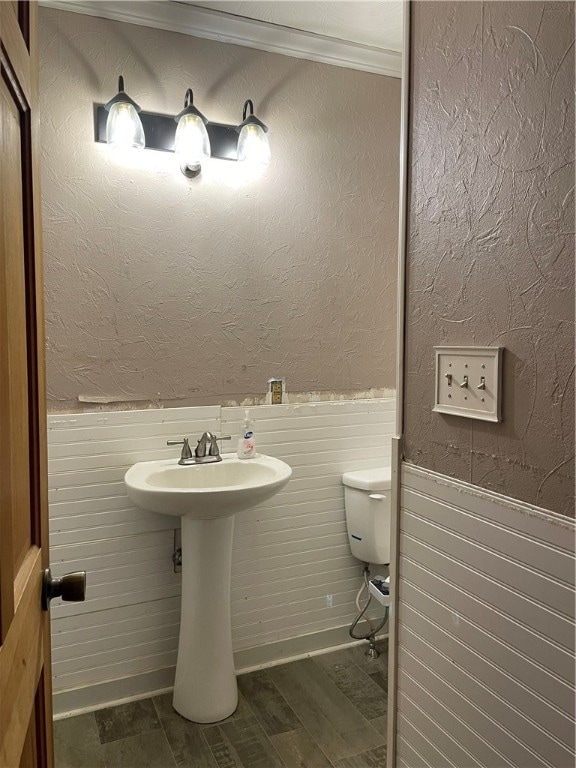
{"x":205,"y":690}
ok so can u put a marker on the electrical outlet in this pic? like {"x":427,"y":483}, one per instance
{"x":468,"y":382}
{"x":276,"y":391}
{"x":329,"y":601}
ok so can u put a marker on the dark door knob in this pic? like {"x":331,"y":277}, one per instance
{"x":71,"y":587}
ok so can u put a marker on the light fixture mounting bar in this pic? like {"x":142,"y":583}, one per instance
{"x":160,"y":131}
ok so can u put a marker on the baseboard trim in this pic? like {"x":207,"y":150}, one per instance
{"x":90,"y":698}
{"x":283,"y":651}
{"x":121,"y":690}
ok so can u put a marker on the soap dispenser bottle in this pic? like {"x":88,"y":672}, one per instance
{"x":246,"y":441}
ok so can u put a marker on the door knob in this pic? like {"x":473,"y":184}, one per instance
{"x":71,"y":587}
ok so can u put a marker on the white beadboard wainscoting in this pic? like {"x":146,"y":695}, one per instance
{"x":289,"y":553}
{"x":485,"y":629}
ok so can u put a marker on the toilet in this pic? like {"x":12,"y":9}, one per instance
{"x":367,"y":500}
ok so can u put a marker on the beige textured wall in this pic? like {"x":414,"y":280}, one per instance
{"x":167,"y":290}
{"x":491,"y":238}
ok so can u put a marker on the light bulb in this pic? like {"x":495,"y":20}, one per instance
{"x":124,"y":128}
{"x":191,"y":144}
{"x":253,"y":145}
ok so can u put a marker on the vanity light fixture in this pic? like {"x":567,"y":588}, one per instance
{"x":253,"y":145}
{"x":124,"y":128}
{"x":191,"y":143}
{"x":189,"y":134}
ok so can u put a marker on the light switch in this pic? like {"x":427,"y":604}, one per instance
{"x":468,"y":382}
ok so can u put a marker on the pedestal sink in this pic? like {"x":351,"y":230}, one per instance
{"x":206,"y":497}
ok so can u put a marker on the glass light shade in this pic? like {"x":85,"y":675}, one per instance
{"x":124,"y":128}
{"x":253,"y":146}
{"x":191,"y":144}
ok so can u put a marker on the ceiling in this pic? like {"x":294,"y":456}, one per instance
{"x":357,"y":34}
{"x":377,"y":23}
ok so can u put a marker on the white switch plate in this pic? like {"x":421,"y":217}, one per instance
{"x":461,"y":372}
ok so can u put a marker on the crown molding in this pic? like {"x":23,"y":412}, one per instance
{"x":238,"y":30}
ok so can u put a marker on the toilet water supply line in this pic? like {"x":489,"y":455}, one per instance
{"x":371,"y":634}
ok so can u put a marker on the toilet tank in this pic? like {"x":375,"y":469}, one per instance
{"x":367,"y":500}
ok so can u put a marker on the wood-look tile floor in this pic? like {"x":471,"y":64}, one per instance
{"x":324,"y":712}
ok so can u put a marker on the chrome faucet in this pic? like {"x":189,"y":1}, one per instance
{"x":208,"y":442}
{"x":213,"y":450}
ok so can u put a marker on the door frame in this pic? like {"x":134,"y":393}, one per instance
{"x":397,"y":440}
{"x":25,"y":641}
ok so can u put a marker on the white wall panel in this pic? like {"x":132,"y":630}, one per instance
{"x":288,"y":553}
{"x":485,"y":628}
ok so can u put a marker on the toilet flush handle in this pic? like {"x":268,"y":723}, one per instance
{"x":377,"y":496}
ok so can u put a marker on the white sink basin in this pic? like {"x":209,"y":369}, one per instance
{"x":205,"y":491}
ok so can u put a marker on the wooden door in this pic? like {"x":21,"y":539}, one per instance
{"x":25,"y":688}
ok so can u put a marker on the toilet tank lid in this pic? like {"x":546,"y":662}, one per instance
{"x":369,"y":479}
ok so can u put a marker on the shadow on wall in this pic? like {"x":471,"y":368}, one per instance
{"x":299,"y":70}
{"x":59,"y":42}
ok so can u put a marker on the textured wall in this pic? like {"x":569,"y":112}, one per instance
{"x":491,"y":238}
{"x":179,"y":291}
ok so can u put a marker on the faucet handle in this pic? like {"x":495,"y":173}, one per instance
{"x":186,"y":452}
{"x":214,"y":450}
